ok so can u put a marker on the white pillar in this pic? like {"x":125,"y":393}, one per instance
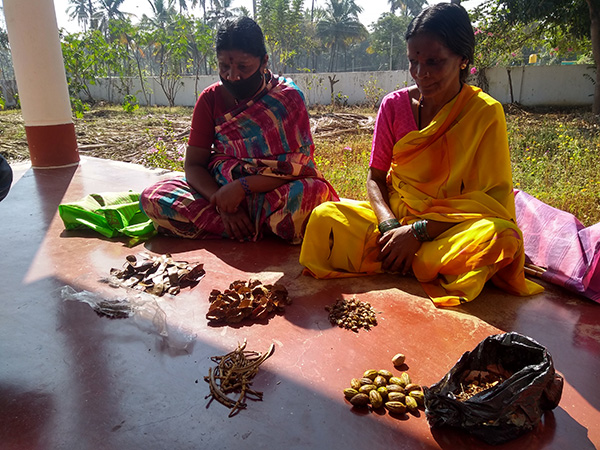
{"x":41,"y":81}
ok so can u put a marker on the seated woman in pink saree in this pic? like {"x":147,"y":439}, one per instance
{"x":249,"y":166}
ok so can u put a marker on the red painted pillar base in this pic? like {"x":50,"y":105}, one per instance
{"x":52,"y":145}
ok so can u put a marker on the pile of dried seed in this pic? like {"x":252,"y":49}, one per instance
{"x":234,"y":373}
{"x":246,"y":300}
{"x":352,"y":315}
{"x":157,"y":275}
{"x":477,"y":383}
{"x":381,"y":389}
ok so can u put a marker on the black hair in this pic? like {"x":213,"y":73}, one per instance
{"x":450,"y":23}
{"x":242,"y":34}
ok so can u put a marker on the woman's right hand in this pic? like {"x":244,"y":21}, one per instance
{"x":398,"y":248}
{"x":237,"y":224}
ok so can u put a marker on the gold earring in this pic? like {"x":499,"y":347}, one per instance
{"x":463,"y":66}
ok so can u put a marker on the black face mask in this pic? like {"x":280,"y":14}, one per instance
{"x":246,"y":88}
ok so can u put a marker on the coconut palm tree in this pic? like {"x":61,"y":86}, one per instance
{"x":340,"y":26}
{"x":109,"y":10}
{"x":162,"y":12}
{"x":83,"y":11}
{"x":407,"y":7}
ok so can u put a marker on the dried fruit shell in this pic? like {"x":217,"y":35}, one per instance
{"x":371,"y":374}
{"x":396,"y":407}
{"x":366,"y":381}
{"x":349,"y":393}
{"x":375,"y":399}
{"x":383,"y":392}
{"x":385,"y":373}
{"x":355,"y":383}
{"x":396,"y":397}
{"x":365,"y":389}
{"x":398,"y":359}
{"x":360,"y":400}
{"x":380,"y":381}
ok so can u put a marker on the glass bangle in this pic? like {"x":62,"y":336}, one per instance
{"x":245,"y":186}
{"x":388,"y":225}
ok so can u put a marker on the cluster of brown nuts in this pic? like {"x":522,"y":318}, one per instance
{"x":381,"y":389}
{"x":352,"y":315}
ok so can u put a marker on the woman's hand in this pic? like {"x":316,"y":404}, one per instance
{"x":237,"y":224}
{"x":398,"y":248}
{"x":228,"y":197}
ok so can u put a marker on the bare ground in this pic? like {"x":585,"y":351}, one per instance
{"x":110,"y":133}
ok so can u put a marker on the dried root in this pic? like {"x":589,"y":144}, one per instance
{"x":234,"y":373}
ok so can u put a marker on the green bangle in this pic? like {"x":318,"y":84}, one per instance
{"x":388,"y":225}
{"x":419,"y":231}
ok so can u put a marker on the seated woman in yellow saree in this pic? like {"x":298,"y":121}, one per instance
{"x":441,"y":200}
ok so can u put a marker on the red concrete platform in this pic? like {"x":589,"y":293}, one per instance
{"x":70,"y":379}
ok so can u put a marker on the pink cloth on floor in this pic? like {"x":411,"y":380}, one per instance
{"x":557,"y":241}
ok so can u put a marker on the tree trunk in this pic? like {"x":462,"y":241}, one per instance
{"x":595,"y":37}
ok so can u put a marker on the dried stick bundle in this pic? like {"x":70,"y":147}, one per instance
{"x":234,"y":373}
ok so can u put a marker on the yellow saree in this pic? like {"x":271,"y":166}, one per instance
{"x":455,"y":170}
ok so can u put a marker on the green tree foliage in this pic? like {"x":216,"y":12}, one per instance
{"x":387,"y":40}
{"x":576,"y":18}
{"x":85,"y":56}
{"x":283,"y":25}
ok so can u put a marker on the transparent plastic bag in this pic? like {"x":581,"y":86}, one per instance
{"x":142,"y":308}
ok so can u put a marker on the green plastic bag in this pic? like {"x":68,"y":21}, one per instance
{"x":110,"y":214}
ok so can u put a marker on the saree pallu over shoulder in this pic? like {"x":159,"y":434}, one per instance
{"x":268,"y":135}
{"x":443,"y":171}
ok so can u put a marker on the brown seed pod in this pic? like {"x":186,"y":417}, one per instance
{"x":398,"y":359}
{"x":349,"y":393}
{"x":370,"y":374}
{"x":395,"y":407}
{"x":375,"y":399}
{"x":366,"y":381}
{"x":385,"y":373}
{"x":360,"y":400}
{"x":379,"y":381}
{"x":395,"y":380}
{"x":396,"y":397}
{"x":404,"y":379}
{"x":411,"y":403}
{"x":365,"y":389}
{"x":395,"y":388}
{"x":355,"y":383}
{"x":383,"y":392}
{"x":418,"y":396}
{"x":412,"y":387}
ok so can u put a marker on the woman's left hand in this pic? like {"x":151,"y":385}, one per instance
{"x":398,"y":248}
{"x":229,"y":197}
